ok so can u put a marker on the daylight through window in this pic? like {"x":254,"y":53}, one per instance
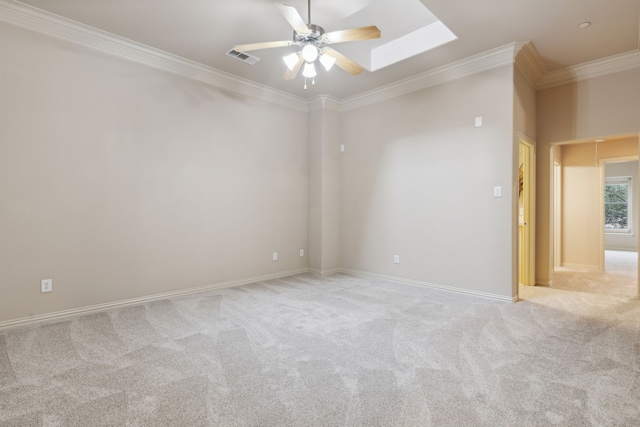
{"x":617,"y":208}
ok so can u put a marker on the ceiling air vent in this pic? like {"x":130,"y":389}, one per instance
{"x":241,"y":56}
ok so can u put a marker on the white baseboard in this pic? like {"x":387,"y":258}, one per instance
{"x":621,"y":249}
{"x":549,"y":283}
{"x":432,"y":285}
{"x":325,"y":272}
{"x":580,"y":266}
{"x":133,"y":301}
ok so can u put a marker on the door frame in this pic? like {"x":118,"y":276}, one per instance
{"x":529,"y":198}
{"x":602,"y":162}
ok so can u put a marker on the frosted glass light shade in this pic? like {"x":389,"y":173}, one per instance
{"x":309,"y":70}
{"x":327,"y":61}
{"x":291,"y":60}
{"x":310,"y":53}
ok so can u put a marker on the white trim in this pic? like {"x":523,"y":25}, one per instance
{"x":327,"y":272}
{"x":530,"y":64}
{"x":58,"y":315}
{"x":484,"y":61}
{"x":616,"y":249}
{"x":29,"y":17}
{"x":527,"y":60}
{"x":497,"y":297}
{"x":580,"y":266}
{"x":629,"y":182}
{"x":324,"y":102}
{"x":133,"y":301}
{"x":589,"y":70}
{"x":32,"y":18}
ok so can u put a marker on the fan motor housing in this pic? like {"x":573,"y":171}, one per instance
{"x":314,"y":36}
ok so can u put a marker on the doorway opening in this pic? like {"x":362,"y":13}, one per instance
{"x":620,"y":213}
{"x":594,"y":233}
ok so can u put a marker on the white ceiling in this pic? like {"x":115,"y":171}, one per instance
{"x":203,"y":30}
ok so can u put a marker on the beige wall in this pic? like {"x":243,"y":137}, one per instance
{"x":603,"y":106}
{"x":524,"y":106}
{"x":324,"y":191}
{"x":581,"y":212}
{"x":417,"y":181}
{"x":119,"y":181}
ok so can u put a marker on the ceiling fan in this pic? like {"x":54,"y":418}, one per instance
{"x":314,"y":43}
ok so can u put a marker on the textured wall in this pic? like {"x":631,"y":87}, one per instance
{"x":417,"y":181}
{"x":118,"y":181}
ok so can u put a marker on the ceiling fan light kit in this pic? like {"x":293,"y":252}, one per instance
{"x":291,"y":60}
{"x":313,"y":42}
{"x":309,"y":53}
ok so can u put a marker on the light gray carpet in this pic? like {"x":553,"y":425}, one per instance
{"x":621,"y":261}
{"x":331,"y":351}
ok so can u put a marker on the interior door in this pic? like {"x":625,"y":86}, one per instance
{"x":526,"y":214}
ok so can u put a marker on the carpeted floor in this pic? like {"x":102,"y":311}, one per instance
{"x":332,"y":351}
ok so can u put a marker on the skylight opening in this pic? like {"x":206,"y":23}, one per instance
{"x":417,"y":42}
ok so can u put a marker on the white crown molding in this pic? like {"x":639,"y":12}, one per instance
{"x":497,"y":297}
{"x":589,"y":70}
{"x":524,"y":55}
{"x":134,"y":301}
{"x":25,"y":16}
{"x":324,"y":102}
{"x":474,"y":64}
{"x":529,"y":62}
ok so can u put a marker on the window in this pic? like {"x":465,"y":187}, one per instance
{"x":617,"y":205}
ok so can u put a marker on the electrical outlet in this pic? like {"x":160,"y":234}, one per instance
{"x":46,"y":285}
{"x":301,"y":252}
{"x":396,"y":259}
{"x":275,"y":256}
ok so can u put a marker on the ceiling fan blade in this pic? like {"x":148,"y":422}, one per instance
{"x":293,"y":18}
{"x":354,"y":34}
{"x":265,"y":45}
{"x":291,"y":74}
{"x":344,"y":62}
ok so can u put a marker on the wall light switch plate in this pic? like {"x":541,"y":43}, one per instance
{"x":46,"y":285}
{"x":497,"y":191}
{"x":301,"y":252}
{"x":342,"y":148}
{"x":275,"y":256}
{"x":478,"y":122}
{"x":396,"y":259}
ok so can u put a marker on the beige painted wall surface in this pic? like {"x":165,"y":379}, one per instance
{"x":331,"y":253}
{"x":315,"y":138}
{"x":580,"y":213}
{"x":119,"y":181}
{"x":324,"y":190}
{"x":524,"y":110}
{"x":417,"y":181}
{"x":603,"y":106}
{"x":581,"y":210}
